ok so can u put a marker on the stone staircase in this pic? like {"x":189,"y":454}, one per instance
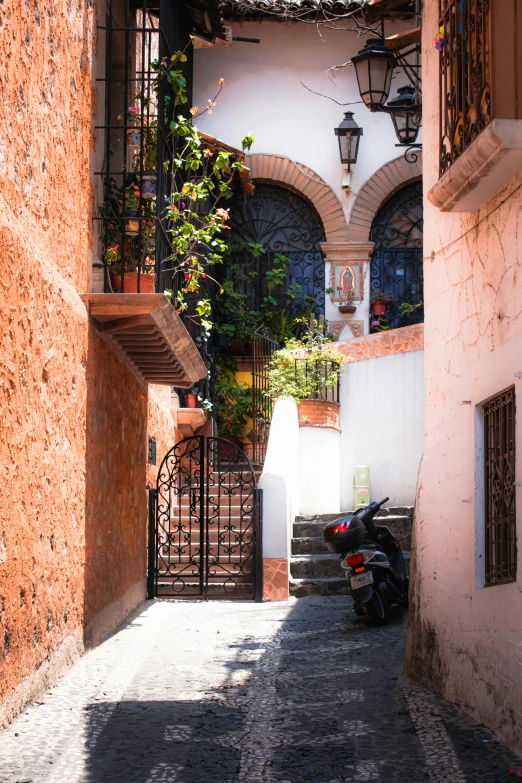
{"x":313,"y":570}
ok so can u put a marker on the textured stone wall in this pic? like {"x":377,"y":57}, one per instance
{"x":73,"y":446}
{"x":465,"y":641}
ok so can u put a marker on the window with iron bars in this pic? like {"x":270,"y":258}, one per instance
{"x":500,"y":517}
{"x":134,"y":181}
{"x":465,"y":75}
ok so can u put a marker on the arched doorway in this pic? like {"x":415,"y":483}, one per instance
{"x":396,"y":264}
{"x":274,"y":222}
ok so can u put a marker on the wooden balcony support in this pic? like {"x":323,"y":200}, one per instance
{"x":148,"y":336}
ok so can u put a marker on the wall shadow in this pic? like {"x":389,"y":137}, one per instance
{"x":115,"y":491}
{"x":317,"y":706}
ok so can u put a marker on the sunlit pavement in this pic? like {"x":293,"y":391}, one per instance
{"x":223,"y":692}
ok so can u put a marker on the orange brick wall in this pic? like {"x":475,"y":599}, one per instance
{"x":318,"y":413}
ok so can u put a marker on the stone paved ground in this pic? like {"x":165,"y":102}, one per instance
{"x":298,"y":692}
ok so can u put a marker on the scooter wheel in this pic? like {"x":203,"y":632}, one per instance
{"x":404,"y":600}
{"x":377,"y":609}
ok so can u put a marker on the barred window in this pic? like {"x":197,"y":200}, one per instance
{"x":500,"y":521}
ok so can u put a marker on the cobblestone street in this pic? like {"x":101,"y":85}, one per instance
{"x":256,"y":693}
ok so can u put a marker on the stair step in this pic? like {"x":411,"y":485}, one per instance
{"x":315,"y":566}
{"x":308,"y":545}
{"x":325,"y":586}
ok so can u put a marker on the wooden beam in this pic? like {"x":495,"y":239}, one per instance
{"x":400,"y":40}
{"x":122,"y":324}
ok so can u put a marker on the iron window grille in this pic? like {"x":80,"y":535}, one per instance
{"x":315,"y":374}
{"x":134,"y":183}
{"x":500,"y":517}
{"x":465,"y":76}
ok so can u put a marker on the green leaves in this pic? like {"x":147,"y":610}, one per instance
{"x":247,"y":142}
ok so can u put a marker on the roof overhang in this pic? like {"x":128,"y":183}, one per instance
{"x":148,"y":336}
{"x":208,"y":21}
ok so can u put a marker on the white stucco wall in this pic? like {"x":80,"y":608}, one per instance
{"x":382,"y":425}
{"x":263,"y":95}
{"x":280,"y":480}
{"x":319,"y":471}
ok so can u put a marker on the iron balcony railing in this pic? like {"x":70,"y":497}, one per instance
{"x":134,"y":180}
{"x":465,"y":75}
{"x":315,"y":376}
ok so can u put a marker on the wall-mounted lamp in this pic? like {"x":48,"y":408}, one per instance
{"x":349,"y":135}
{"x":374,"y":66}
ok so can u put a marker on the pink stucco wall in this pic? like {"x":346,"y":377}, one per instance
{"x":465,"y":641}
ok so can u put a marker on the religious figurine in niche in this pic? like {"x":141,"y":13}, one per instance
{"x":347,"y":279}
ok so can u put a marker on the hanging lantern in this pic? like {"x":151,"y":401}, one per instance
{"x":405,"y":114}
{"x":349,"y":135}
{"x":374,"y":66}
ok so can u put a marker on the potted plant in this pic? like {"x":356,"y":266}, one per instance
{"x":378,"y":324}
{"x":305,"y":369}
{"x":378,"y":303}
{"x":191,"y":398}
{"x":346,"y":306}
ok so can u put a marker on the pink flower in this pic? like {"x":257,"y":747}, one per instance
{"x":375,"y":323}
{"x":133,"y":110}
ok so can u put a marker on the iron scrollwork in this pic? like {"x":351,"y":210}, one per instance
{"x":205,"y":537}
{"x":396,"y":266}
{"x":282,"y":222}
{"x":465,"y":76}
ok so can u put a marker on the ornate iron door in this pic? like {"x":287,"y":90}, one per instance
{"x":279,"y":221}
{"x":204,"y":523}
{"x":396,"y":265}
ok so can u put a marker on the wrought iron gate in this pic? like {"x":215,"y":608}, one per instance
{"x":205,"y":523}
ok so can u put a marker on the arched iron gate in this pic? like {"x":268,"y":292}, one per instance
{"x":205,"y":523}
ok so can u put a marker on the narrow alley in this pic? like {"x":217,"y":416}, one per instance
{"x":223,"y":692}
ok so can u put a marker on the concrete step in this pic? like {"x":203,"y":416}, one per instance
{"x":315,"y":566}
{"x":325,"y":586}
{"x":309,"y":545}
{"x":312,"y":527}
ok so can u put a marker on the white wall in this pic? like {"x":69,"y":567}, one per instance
{"x":382,"y":425}
{"x":280,"y":480}
{"x":319,"y":471}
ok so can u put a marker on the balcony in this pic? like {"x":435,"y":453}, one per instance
{"x":480,"y":92}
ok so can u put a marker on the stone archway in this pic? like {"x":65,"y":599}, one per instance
{"x":377,"y":190}
{"x":278,"y":170}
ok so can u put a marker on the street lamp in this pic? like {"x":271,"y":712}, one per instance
{"x":405,"y":114}
{"x":349,"y":134}
{"x":374,"y":66}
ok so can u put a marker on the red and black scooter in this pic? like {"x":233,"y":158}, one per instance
{"x":373,"y":562}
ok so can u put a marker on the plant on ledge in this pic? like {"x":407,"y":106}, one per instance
{"x":305,"y":369}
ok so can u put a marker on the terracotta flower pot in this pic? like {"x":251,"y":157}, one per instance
{"x":378,"y":308}
{"x":130,"y":282}
{"x":347,"y":309}
{"x":190,"y":401}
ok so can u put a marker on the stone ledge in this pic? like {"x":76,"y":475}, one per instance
{"x":372,"y":346}
{"x":482,"y":170}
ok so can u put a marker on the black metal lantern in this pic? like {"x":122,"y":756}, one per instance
{"x":349,"y":135}
{"x":374,"y":66}
{"x":405,"y":114}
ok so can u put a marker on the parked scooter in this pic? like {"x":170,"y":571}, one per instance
{"x":373,"y":562}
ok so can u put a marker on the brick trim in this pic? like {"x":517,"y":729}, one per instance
{"x":371,"y":346}
{"x":319,"y":413}
{"x":277,"y":170}
{"x":376,"y":191}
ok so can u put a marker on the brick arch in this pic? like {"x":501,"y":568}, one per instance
{"x":278,"y":170}
{"x":377,"y":190}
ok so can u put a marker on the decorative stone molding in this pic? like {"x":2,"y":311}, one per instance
{"x":356,"y":328}
{"x":377,"y":190}
{"x":482,"y":170}
{"x":336,"y":327}
{"x":370,"y":346}
{"x":278,"y":170}
{"x":319,"y":413}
